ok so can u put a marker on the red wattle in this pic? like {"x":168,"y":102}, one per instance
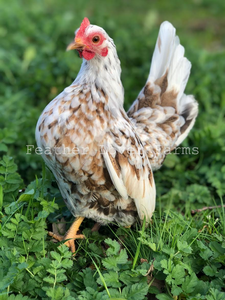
{"x":88,"y":55}
{"x":104,"y":51}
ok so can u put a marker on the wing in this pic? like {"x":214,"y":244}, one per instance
{"x":162,"y":114}
{"x":129,"y":168}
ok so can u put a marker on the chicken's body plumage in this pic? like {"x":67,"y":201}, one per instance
{"x":101,"y":156}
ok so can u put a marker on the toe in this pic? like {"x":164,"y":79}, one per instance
{"x":71,"y":245}
{"x":55,"y":236}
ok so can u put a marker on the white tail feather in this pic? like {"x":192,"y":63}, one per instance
{"x":163,"y":95}
{"x":169,"y":56}
{"x":179,"y":71}
{"x":164,"y":49}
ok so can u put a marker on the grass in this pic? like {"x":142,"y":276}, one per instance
{"x":180,"y":255}
{"x":177,"y":257}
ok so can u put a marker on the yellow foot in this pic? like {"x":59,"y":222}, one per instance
{"x":71,"y":234}
{"x":128,"y":226}
{"x":70,"y":242}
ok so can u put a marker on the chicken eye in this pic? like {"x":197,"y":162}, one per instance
{"x":95,"y":39}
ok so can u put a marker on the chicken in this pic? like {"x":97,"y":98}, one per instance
{"x":102,"y":157}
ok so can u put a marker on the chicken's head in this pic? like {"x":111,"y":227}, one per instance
{"x":90,"y":40}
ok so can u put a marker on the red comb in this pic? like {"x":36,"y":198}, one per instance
{"x":85,"y":23}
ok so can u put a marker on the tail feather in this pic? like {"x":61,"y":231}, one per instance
{"x":188,"y":110}
{"x":169,"y":57}
{"x":164,"y":89}
{"x":178,"y":68}
{"x":163,"y":52}
{"x":179,"y":71}
{"x":168,"y":60}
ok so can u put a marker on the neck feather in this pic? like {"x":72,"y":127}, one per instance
{"x":104,"y":73}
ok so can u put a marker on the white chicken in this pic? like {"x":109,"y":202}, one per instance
{"x":102,"y":157}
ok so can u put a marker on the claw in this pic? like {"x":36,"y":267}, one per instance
{"x":70,"y":236}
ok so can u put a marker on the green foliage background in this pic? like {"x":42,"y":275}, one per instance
{"x":34,"y":68}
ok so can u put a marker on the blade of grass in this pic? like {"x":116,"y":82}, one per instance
{"x":121,"y":241}
{"x":222,"y":216}
{"x":139,"y":245}
{"x":1,"y":197}
{"x":100,"y":275}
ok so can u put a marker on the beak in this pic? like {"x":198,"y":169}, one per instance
{"x":75,"y":45}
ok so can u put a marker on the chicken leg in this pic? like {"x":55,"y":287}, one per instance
{"x":71,"y":234}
